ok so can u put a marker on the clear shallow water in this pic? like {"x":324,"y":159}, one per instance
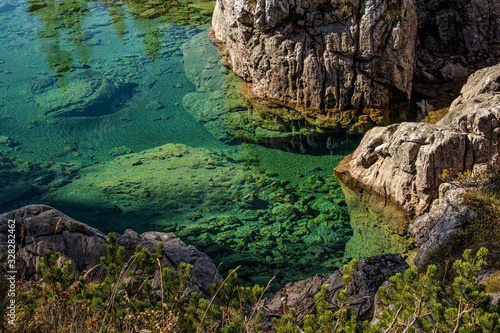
{"x":121,"y":115}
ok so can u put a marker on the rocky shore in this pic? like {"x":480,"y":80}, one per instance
{"x":342,"y":63}
{"x":355,"y":64}
{"x":406,"y":164}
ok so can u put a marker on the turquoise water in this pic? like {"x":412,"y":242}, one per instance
{"x":121,"y":115}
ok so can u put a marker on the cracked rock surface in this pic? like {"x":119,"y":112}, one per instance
{"x":46,"y":228}
{"x":349,"y":60}
{"x":456,"y":37}
{"x":404,"y":162}
{"x":368,"y":276}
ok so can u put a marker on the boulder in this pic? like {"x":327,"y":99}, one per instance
{"x":405,"y":162}
{"x":347,"y":61}
{"x":40,"y":228}
{"x":368,"y":276}
{"x":88,"y":95}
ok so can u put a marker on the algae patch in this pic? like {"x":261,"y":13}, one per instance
{"x":275,"y":213}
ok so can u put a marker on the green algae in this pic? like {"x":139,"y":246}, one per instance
{"x":66,"y":18}
{"x":236,"y":215}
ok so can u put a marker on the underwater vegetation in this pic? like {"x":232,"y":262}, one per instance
{"x":65,"y":19}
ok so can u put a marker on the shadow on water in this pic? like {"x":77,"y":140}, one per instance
{"x":313,"y":144}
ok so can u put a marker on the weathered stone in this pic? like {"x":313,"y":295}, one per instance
{"x":404,"y":162}
{"x":353,"y":57}
{"x":367,"y":278}
{"x":40,"y":228}
{"x":435,"y":227}
{"x":456,"y":37}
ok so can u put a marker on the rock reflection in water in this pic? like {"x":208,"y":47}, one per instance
{"x":379,"y":226}
{"x":66,"y":18}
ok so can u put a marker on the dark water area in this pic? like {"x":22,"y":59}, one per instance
{"x":121,"y":115}
{"x":313,"y":144}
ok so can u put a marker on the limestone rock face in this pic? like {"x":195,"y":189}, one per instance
{"x":45,"y":228}
{"x":368,"y":277}
{"x":349,"y":56}
{"x":456,"y":37}
{"x":435,"y":227}
{"x":404,"y":162}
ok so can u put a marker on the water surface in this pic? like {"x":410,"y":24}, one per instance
{"x":121,"y":115}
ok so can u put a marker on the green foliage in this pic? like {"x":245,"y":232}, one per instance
{"x":325,"y":320}
{"x":419,"y":301}
{"x":232,"y":308}
{"x":54,"y":275}
{"x":411,"y":302}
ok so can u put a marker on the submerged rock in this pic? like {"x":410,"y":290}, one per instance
{"x":45,"y":228}
{"x":342,"y":62}
{"x":86,"y":96}
{"x":229,"y":208}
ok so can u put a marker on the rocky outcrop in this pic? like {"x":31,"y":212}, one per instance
{"x":435,"y":227}
{"x":342,"y":61}
{"x":40,"y":228}
{"x":456,"y":37}
{"x":368,"y":276}
{"x":404,"y":162}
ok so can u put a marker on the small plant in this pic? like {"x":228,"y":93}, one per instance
{"x":330,"y":316}
{"x":419,"y":301}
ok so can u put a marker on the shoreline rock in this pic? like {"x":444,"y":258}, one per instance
{"x":405,"y":163}
{"x":43,"y":227}
{"x":368,"y":276}
{"x":350,"y":62}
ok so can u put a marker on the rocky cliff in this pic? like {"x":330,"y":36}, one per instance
{"x":456,"y":37}
{"x":404,"y":163}
{"x":342,"y":62}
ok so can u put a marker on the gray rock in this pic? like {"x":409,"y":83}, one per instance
{"x":347,"y":60}
{"x":368,"y":277}
{"x":456,"y":37}
{"x":434,"y":228}
{"x":40,"y":228}
{"x":404,"y":162}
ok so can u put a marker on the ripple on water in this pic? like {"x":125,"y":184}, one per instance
{"x":122,"y":116}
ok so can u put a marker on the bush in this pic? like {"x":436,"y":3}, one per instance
{"x":412,"y":301}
